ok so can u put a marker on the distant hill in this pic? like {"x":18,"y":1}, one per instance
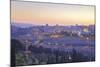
{"x":20,"y":29}
{"x":22,"y":25}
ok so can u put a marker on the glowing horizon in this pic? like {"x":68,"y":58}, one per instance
{"x":52,"y":14}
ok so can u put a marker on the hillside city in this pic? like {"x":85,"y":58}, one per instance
{"x":45,"y":44}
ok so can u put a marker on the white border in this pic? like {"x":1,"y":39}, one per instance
{"x":4,"y":33}
{"x":85,"y":2}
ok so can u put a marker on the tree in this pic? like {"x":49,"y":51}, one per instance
{"x":16,"y":47}
{"x":78,"y":57}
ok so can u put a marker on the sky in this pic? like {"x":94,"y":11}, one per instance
{"x":38,"y":13}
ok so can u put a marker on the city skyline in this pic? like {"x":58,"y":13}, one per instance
{"x":51,"y":14}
